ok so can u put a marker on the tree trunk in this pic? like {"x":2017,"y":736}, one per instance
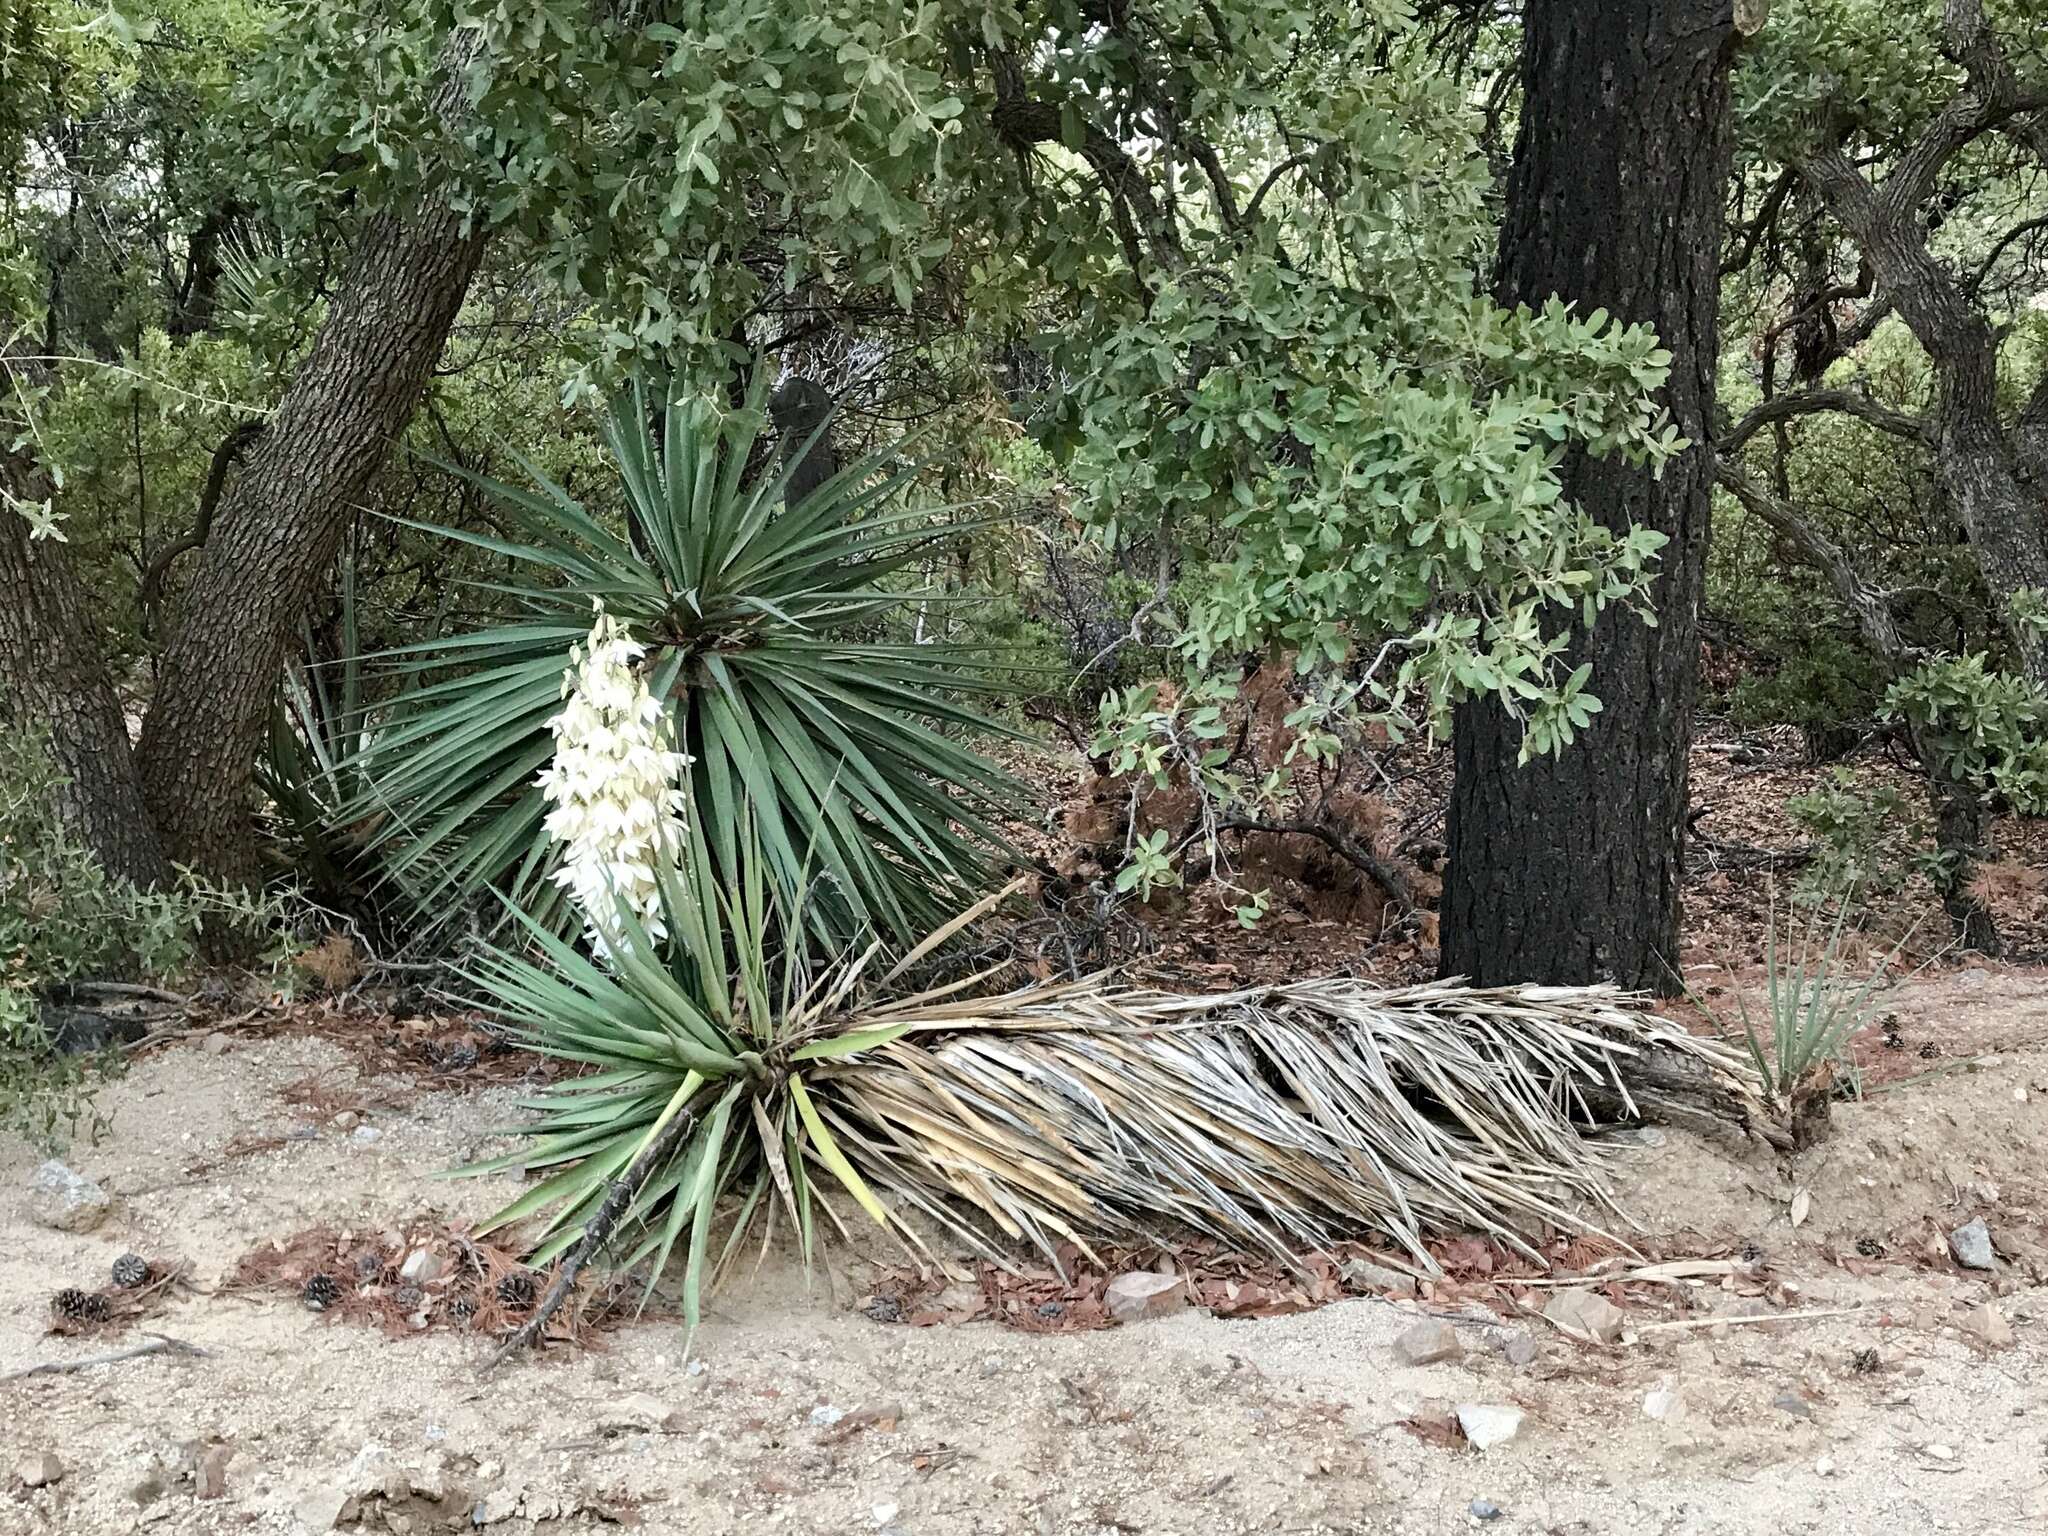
{"x":51,"y":671}
{"x":1568,"y":869}
{"x":277,"y":531}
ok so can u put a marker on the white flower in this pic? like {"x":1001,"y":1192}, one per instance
{"x":614,"y":786}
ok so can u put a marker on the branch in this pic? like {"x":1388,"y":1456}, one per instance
{"x":1766,"y":215}
{"x":1849,"y":402}
{"x":224,"y":458}
{"x":159,"y":1344}
{"x":1869,"y":604}
{"x":1995,"y":97}
{"x":596,"y":1233}
{"x":1293,"y":162}
{"x":1386,"y":876}
{"x":2025,"y":227}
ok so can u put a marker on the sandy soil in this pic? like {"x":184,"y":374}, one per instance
{"x":1184,"y":1425}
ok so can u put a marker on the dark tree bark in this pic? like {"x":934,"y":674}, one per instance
{"x":1568,"y":869}
{"x":277,"y":530}
{"x":799,"y":409}
{"x":52,"y":671}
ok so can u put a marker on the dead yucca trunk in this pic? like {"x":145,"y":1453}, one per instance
{"x":1280,"y":1117}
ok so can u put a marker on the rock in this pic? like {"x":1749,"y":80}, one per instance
{"x":1427,"y":1342}
{"x":1140,"y":1294}
{"x":346,"y":1120}
{"x":1489,"y":1424}
{"x":65,"y":1201}
{"x":323,"y":1509}
{"x":497,"y":1506}
{"x":1364,"y":1275}
{"x":1825,"y":1467}
{"x":824,"y":1416}
{"x":1988,"y":1326}
{"x":1970,"y":1243}
{"x":1794,"y":1404}
{"x":1485,"y":1509}
{"x":363,"y":1135}
{"x":884,"y":1513}
{"x":150,"y":1486}
{"x":421,"y":1266}
{"x":642,"y":1410}
{"x":1665,"y":1403}
{"x":210,"y":1476}
{"x":39,"y":1469}
{"x":1942,"y":1452}
{"x":1587,"y":1314}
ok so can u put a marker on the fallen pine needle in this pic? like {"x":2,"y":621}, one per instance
{"x":159,"y":1344}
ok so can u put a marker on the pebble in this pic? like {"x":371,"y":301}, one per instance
{"x":65,"y":1201}
{"x":421,"y":1266}
{"x":1942,"y":1452}
{"x":1142,"y":1293}
{"x":1988,"y":1325}
{"x":363,"y":1135}
{"x":642,"y":1410}
{"x":210,"y":1476}
{"x":1427,"y":1342}
{"x":1665,"y":1403}
{"x":884,"y":1513}
{"x":1825,"y":1467}
{"x":1794,"y":1404}
{"x":322,"y":1509}
{"x":1521,"y":1349}
{"x":824,"y":1416}
{"x":39,"y":1469}
{"x":1971,"y":1244}
{"x":1485,"y":1509}
{"x":1587,"y":1313}
{"x":1489,"y":1424}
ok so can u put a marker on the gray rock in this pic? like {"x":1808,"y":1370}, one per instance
{"x":1794,"y":1404}
{"x":1485,"y":1509}
{"x":1587,"y":1314}
{"x":323,"y":1509}
{"x":65,"y":1201}
{"x":363,"y":1135}
{"x":1970,"y":1243}
{"x":497,"y":1506}
{"x":210,"y":1476}
{"x":824,"y":1416}
{"x":1521,"y":1349}
{"x":421,"y":1266}
{"x":1489,"y":1424}
{"x":39,"y":1469}
{"x":1364,"y":1275}
{"x":1141,"y":1293}
{"x":1427,"y":1342}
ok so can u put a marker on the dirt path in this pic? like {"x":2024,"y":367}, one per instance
{"x":1187,"y":1425}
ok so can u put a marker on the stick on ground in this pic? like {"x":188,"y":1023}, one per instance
{"x":595,"y":1235}
{"x":158,"y":1344}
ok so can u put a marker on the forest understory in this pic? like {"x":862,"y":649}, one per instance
{"x":1794,"y":1344}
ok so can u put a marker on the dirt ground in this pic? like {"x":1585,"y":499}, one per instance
{"x":801,"y":1413}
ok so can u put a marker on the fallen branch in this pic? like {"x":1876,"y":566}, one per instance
{"x":158,"y":1344}
{"x":596,"y":1234}
{"x":1744,"y":1322}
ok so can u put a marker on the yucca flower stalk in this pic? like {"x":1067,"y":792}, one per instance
{"x":614,"y":785}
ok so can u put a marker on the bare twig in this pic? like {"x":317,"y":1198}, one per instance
{"x":158,"y":1344}
{"x":596,"y":1234}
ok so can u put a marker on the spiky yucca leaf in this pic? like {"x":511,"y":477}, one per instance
{"x":757,"y":619}
{"x":1279,"y":1117}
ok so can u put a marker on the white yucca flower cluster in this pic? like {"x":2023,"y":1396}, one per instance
{"x":614,"y":784}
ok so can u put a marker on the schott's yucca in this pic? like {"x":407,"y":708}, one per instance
{"x":761,"y":629}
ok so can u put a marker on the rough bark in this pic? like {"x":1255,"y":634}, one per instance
{"x":51,"y":670}
{"x":278,"y":529}
{"x":1568,"y":869}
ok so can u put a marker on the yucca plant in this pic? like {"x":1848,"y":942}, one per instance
{"x":727,"y":1087}
{"x":762,"y":627}
{"x":1814,"y":1003}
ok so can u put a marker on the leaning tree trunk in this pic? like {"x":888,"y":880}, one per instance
{"x":51,"y":672}
{"x":277,"y":531}
{"x":1568,"y":869}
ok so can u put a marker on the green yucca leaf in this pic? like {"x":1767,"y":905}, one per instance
{"x":759,"y":619}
